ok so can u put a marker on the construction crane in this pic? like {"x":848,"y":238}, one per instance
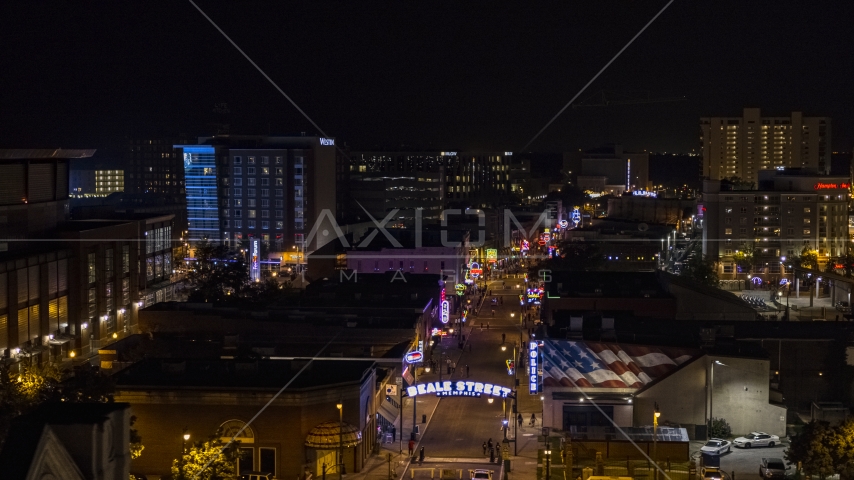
{"x":606,"y":98}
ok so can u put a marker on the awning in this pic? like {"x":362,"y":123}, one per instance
{"x":330,"y":435}
{"x":58,"y":341}
{"x":388,"y":411}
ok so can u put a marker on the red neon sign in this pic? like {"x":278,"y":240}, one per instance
{"x":831,"y":186}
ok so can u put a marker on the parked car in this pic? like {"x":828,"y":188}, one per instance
{"x":480,"y":474}
{"x":257,"y":476}
{"x":772,"y":468}
{"x":717,"y":446}
{"x":756,"y":439}
{"x":711,"y":473}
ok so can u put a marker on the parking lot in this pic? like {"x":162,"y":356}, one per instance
{"x":744,"y":462}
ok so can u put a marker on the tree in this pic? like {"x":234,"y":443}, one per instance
{"x":807,"y":259}
{"x":36,"y":385}
{"x":744,"y":261}
{"x":812,"y":449}
{"x":215,"y":275}
{"x":719,"y":428}
{"x":842,"y":449}
{"x":701,"y":268}
{"x":222,"y":459}
{"x":136,"y":446}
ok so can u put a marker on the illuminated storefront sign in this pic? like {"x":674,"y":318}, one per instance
{"x":644,"y":193}
{"x":533,"y":361}
{"x":525,"y":245}
{"x":446,"y":311}
{"x":461,"y":289}
{"x":330,"y":142}
{"x":458,"y":389}
{"x":475,"y":270}
{"x":563,"y":224}
{"x":831,"y":186}
{"x":413,"y":357}
{"x":491,"y":255}
{"x":255,"y":267}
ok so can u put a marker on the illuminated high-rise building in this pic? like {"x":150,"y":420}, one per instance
{"x":742,"y":146}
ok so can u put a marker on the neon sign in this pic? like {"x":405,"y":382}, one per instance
{"x":327,"y":141}
{"x":533,"y":376}
{"x":563,"y":224}
{"x":458,"y":389}
{"x":446,"y":311}
{"x":475,"y":270}
{"x":831,"y":186}
{"x":255,"y":269}
{"x":491,"y":255}
{"x":413,"y":357}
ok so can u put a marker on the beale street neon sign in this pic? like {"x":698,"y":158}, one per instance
{"x":831,"y":186}
{"x":458,"y":389}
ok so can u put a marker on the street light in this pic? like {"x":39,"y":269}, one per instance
{"x":186,"y":438}
{"x":548,"y":454}
{"x":489,"y":399}
{"x":712,"y":392}
{"x":655,"y":416}
{"x":340,"y":407}
{"x":503,"y":347}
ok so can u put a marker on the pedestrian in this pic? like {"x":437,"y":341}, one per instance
{"x":519,"y":419}
{"x":421,"y":455}
{"x":533,"y":420}
{"x":393,"y":434}
{"x":481,"y":326}
{"x":453,"y":367}
{"x":484,"y":449}
{"x":411,"y":447}
{"x":487,"y":325}
{"x":489,"y":443}
{"x":491,"y":455}
{"x":467,"y":371}
{"x":503,"y":337}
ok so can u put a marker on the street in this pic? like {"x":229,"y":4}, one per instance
{"x":460,"y":425}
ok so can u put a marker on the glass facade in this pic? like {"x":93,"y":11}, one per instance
{"x":201,"y":186}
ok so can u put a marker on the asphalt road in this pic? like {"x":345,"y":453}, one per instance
{"x":460,"y":425}
{"x":745,"y":461}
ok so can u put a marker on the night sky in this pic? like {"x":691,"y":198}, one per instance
{"x":417,"y":75}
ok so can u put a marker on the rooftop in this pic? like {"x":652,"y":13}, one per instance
{"x":43,"y":153}
{"x":222,"y":374}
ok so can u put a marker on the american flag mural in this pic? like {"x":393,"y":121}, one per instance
{"x":608,"y":365}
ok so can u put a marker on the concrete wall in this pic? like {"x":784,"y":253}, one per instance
{"x":740,"y":395}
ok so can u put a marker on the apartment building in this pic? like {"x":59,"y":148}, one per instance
{"x":792,"y":209}
{"x":742,"y":146}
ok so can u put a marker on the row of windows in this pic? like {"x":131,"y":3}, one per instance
{"x":265,"y":182}
{"x":251,"y":203}
{"x":251,"y":213}
{"x":279,"y":171}
{"x":251,"y":160}
{"x":251,"y":224}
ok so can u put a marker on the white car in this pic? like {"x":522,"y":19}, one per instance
{"x":480,"y":474}
{"x":756,"y":439}
{"x":717,"y":446}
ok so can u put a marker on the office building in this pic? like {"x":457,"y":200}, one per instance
{"x":791,"y":210}
{"x":608,"y":169}
{"x":742,"y":146}
{"x":67,"y":287}
{"x":96,"y":182}
{"x":33,"y":193}
{"x":152,"y":166}
{"x":379,"y":194}
{"x":280,"y":190}
{"x":470,"y":178}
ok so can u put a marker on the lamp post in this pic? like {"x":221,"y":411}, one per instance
{"x":548,"y":454}
{"x":341,"y":437}
{"x":414,"y":402}
{"x":712,"y":395}
{"x":655,"y":416}
{"x":186,"y":438}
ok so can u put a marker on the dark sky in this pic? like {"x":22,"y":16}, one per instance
{"x":431,"y":75}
